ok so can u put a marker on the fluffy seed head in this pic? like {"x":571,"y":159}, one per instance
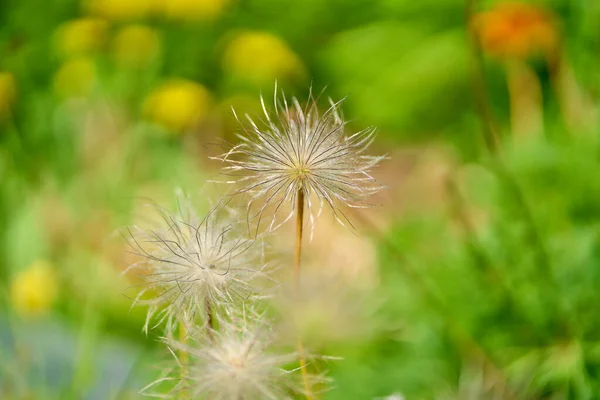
{"x":298,"y":149}
{"x":235,"y":362}
{"x":188,"y":262}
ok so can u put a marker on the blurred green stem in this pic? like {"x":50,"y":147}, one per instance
{"x":480,"y":89}
{"x":86,"y":344}
{"x":464,"y":340}
{"x":525,"y":95}
{"x":509,"y":183}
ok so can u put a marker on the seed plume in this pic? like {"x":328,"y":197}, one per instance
{"x":296,"y":148}
{"x":188,"y":261}
{"x":238,"y":361}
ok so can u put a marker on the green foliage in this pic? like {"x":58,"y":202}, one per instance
{"x":493,"y":294}
{"x":514,"y":295}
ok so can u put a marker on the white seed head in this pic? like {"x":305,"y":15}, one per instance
{"x":235,"y":362}
{"x":189,"y":261}
{"x":298,"y":149}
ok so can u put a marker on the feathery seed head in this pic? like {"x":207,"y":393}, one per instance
{"x":298,"y":149}
{"x":190,"y":261}
{"x":235,"y":362}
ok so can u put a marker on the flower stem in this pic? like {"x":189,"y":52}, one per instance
{"x":480,"y":87}
{"x":209,"y":319}
{"x":525,"y":95}
{"x":298,"y":254}
{"x":183,"y":355}
{"x":183,"y":339}
{"x":299,"y":230}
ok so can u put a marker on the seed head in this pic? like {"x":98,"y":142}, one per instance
{"x":298,"y":149}
{"x":188,"y":262}
{"x":235,"y":362}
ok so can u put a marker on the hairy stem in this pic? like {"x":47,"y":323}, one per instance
{"x":210,"y":322}
{"x":297,"y":257}
{"x":299,"y":231}
{"x":183,"y":355}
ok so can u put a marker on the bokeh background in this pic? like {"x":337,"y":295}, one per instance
{"x":475,"y":276}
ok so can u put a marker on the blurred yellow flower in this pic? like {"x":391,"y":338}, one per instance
{"x":135,"y":45}
{"x":260,"y":58}
{"x":191,"y":9}
{"x":75,"y":77}
{"x":120,"y":9}
{"x":34,"y":290}
{"x":81,"y":36}
{"x":518,"y":30}
{"x":177,"y":104}
{"x":8,"y":92}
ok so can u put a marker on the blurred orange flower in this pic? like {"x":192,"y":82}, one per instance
{"x":34,"y":290}
{"x":81,"y":36}
{"x":177,"y":104}
{"x":8,"y":91}
{"x":260,"y":57}
{"x":516,"y":30}
{"x":135,"y":45}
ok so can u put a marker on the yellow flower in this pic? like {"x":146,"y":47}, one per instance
{"x":34,"y":290}
{"x":192,"y":9}
{"x":8,"y":91}
{"x":75,"y":77}
{"x":260,"y":58}
{"x":177,"y":104}
{"x":135,"y":45}
{"x":120,"y":9}
{"x":81,"y":36}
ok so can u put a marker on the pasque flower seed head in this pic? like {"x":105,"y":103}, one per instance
{"x":238,"y":361}
{"x":190,"y":261}
{"x":298,"y":149}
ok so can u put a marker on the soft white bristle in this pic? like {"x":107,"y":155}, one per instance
{"x":296,"y":149}
{"x":190,"y":261}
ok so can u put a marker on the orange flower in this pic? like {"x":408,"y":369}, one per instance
{"x":516,"y":30}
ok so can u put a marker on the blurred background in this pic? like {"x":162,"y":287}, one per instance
{"x":476,"y":274}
